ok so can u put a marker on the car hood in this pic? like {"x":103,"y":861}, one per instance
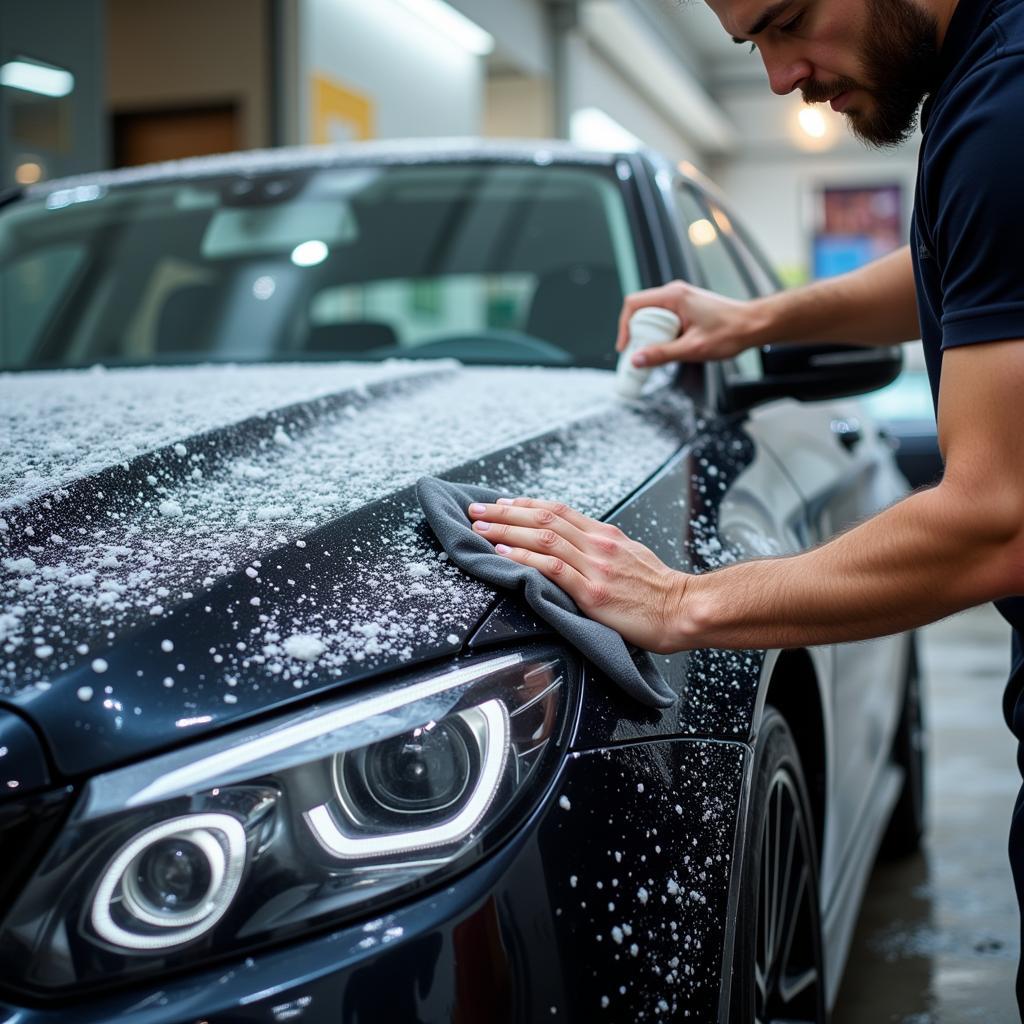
{"x":185,"y":547}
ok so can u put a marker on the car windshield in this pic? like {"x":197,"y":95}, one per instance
{"x":487,"y":263}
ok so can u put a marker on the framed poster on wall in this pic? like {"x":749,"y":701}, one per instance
{"x":854,"y":225}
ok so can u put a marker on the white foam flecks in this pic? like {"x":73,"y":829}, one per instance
{"x":564,"y":803}
{"x":171,"y":509}
{"x":134,"y":561}
{"x":99,"y":665}
{"x":19,"y":566}
{"x":303,"y":647}
{"x":98,"y":420}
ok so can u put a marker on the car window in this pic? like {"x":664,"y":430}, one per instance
{"x":764,"y":281}
{"x":487,"y":263}
{"x":705,"y":229}
{"x":30,"y":288}
{"x":711,"y":252}
{"x":419,"y":310}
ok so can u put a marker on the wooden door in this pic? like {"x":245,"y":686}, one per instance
{"x":144,"y":137}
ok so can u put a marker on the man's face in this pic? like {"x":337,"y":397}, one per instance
{"x":873,"y":60}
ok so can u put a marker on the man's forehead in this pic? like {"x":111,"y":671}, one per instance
{"x":739,"y":16}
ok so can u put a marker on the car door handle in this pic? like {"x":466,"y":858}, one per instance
{"x":847,"y":432}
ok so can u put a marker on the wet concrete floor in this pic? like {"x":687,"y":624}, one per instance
{"x":938,"y":938}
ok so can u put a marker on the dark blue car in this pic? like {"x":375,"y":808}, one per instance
{"x":265,"y":753}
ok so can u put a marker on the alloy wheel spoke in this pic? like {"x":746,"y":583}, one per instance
{"x":777,"y":839}
{"x":786,"y":974}
{"x":766,"y":914}
{"x":761,"y":982}
{"x":793,"y":916}
{"x":785,"y":914}
{"x":793,"y":986}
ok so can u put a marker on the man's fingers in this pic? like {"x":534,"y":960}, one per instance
{"x":665,"y":296}
{"x":555,"y":569}
{"x":538,"y":514}
{"x":543,"y":541}
{"x":678,"y":351}
{"x":631,"y":304}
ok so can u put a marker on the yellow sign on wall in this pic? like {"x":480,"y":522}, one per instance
{"x":339,"y":114}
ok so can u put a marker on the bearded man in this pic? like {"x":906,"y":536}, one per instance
{"x":959,"y":286}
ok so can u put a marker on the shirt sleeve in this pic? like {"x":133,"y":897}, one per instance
{"x":974,"y":182}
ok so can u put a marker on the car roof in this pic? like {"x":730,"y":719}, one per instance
{"x":397,"y":152}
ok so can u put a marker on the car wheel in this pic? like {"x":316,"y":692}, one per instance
{"x":907,"y":825}
{"x":778,"y":970}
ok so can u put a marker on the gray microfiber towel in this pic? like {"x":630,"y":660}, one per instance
{"x":445,"y":506}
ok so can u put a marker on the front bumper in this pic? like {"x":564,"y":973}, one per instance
{"x":611,"y":904}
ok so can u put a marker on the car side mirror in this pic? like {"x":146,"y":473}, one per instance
{"x":813,"y":373}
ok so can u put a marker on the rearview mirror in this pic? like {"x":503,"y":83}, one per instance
{"x":813,"y":373}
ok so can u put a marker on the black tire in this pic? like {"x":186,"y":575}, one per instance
{"x":909,"y":816}
{"x":778,"y":964}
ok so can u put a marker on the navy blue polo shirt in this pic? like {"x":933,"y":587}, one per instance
{"x":967,"y":237}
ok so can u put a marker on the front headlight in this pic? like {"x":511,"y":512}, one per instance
{"x":246,"y":839}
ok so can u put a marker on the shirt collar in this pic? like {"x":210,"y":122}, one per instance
{"x":964,"y":27}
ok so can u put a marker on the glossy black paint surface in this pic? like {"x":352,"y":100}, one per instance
{"x":584,"y":905}
{"x":23,"y":767}
{"x":339,"y":563}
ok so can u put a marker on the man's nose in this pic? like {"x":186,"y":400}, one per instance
{"x":784,"y":75}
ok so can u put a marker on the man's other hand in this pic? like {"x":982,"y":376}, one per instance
{"x":714,"y":327}
{"x":612,"y":579}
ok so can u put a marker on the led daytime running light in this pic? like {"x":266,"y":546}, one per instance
{"x":346,"y":847}
{"x":225,"y":869}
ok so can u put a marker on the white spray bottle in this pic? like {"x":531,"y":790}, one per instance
{"x":651,"y":325}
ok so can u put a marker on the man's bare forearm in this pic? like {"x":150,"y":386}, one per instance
{"x":875,"y":305}
{"x":932,"y":554}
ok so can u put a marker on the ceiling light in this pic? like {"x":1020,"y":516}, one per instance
{"x":263,"y":287}
{"x":812,"y":121}
{"x":453,"y":24}
{"x":28,"y":173}
{"x":38,"y":78}
{"x":309,"y":254}
{"x":702,"y":232}
{"x":594,"y":129}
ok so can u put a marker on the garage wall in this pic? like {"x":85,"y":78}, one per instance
{"x":520,"y":30}
{"x":191,"y":53}
{"x":66,"y":136}
{"x":594,"y":82}
{"x":518,"y":106}
{"x":774,"y":198}
{"x":398,"y":76}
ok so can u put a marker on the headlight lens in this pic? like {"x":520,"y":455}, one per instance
{"x":171,"y":883}
{"x":248,"y":838}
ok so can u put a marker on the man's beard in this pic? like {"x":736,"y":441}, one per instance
{"x":900,"y":59}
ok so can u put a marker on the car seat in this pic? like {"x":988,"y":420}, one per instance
{"x":577,"y":307}
{"x":185,"y":318}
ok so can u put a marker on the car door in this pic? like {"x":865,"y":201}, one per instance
{"x":844,"y":474}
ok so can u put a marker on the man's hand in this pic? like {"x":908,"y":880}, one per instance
{"x":714,"y":327}
{"x":612,"y":579}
